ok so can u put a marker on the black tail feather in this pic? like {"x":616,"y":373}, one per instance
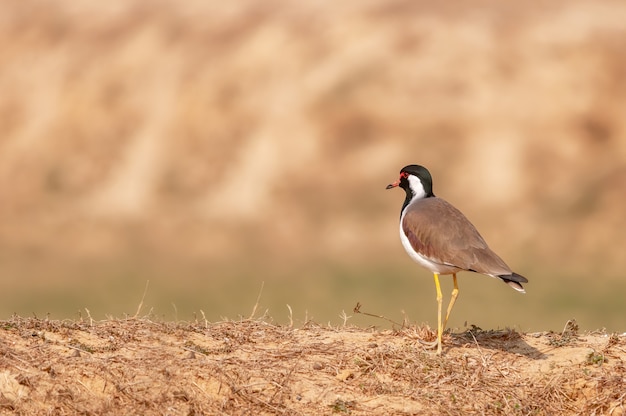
{"x":514,"y":280}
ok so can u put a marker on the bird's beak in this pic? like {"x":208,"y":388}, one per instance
{"x":393,"y":185}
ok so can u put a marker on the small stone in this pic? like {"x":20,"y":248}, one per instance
{"x":345,"y":375}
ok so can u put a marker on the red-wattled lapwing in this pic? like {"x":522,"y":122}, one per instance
{"x":439,"y":237}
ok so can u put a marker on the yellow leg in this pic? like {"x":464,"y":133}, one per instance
{"x":440,"y":328}
{"x":455,"y":293}
{"x":439,"y":304}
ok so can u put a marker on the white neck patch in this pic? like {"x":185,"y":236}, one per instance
{"x":416,"y":187}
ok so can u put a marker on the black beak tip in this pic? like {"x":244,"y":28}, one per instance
{"x":390,"y":186}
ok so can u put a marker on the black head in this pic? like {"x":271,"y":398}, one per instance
{"x":410,"y":186}
{"x":416,"y":182}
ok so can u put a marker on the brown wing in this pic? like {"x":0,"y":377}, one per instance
{"x":442,"y":233}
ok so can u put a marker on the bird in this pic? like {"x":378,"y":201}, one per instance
{"x":440,"y":238}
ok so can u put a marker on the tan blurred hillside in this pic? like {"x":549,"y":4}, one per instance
{"x":216,"y":132}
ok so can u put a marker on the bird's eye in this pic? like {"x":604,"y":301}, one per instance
{"x":404,"y":175}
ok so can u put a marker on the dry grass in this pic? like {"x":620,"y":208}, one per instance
{"x":143,"y":366}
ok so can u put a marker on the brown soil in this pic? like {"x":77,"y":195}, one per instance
{"x":143,"y":366}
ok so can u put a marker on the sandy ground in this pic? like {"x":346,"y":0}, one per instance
{"x":143,"y":366}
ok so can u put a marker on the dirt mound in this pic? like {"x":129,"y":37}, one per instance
{"x":142,"y":366}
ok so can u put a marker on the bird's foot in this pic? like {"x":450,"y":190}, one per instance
{"x":429,"y":345}
{"x":433,"y":347}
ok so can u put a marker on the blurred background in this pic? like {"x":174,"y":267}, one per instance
{"x":215,"y":148}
